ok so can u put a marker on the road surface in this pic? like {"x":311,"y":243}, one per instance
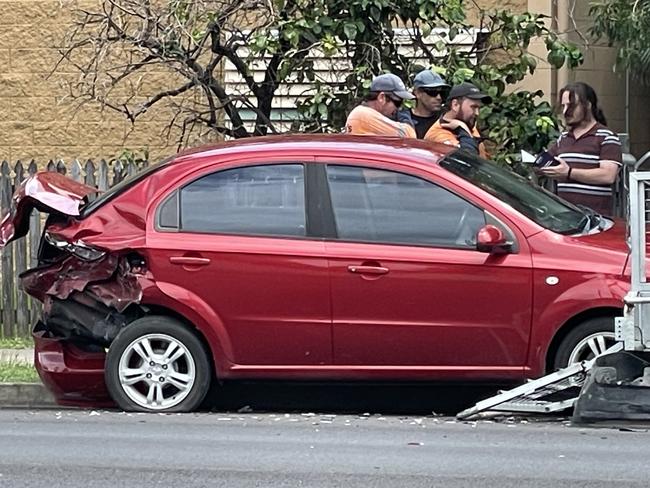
{"x":70,"y":448}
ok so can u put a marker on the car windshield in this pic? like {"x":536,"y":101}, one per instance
{"x":539,"y":205}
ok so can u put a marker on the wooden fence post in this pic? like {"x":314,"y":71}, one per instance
{"x":34,"y":238}
{"x":7,"y":260}
{"x":22,"y":325}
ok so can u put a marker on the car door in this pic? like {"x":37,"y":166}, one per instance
{"x":409,"y":287}
{"x":238,"y":240}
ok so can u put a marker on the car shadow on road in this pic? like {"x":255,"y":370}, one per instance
{"x":412,"y":399}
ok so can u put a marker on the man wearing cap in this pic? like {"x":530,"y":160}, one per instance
{"x":457,"y":126}
{"x":378,"y":114}
{"x":430,"y":92}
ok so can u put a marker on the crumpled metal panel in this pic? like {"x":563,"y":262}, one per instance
{"x":85,"y":300}
{"x":119,"y":224}
{"x":109,"y":279}
{"x":48,"y":191}
{"x":83,"y":318}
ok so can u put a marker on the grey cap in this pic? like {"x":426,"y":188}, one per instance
{"x":428,"y":79}
{"x":468,"y":90}
{"x":390,"y":83}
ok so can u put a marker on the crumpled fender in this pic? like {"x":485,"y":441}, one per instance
{"x":109,"y":279}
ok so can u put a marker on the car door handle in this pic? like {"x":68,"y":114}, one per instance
{"x":189,"y":260}
{"x":373,"y":270}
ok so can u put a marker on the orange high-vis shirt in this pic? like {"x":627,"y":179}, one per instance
{"x":438,"y":134}
{"x":368,"y":122}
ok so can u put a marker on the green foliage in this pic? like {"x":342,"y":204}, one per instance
{"x":497,"y":59}
{"x":139,"y":157}
{"x":276,"y":43}
{"x":16,"y":342}
{"x":18,"y":373}
{"x":626,"y":24}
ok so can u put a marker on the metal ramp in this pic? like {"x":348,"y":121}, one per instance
{"x":551,"y":393}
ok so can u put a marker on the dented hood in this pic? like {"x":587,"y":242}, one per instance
{"x":48,"y":192}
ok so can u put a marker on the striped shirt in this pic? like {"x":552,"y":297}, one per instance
{"x":587,"y":151}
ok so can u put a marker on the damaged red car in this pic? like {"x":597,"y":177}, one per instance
{"x":311,"y":257}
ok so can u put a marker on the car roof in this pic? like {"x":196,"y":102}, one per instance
{"x":323,"y":143}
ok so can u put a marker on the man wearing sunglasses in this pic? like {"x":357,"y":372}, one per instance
{"x":457,"y":125}
{"x":379,"y":114}
{"x":430,"y":92}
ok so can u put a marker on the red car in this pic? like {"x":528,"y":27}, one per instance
{"x":312,"y":257}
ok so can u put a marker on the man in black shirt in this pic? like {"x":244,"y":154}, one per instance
{"x":430,"y":91}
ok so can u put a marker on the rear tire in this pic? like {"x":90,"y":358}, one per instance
{"x":584,"y":341}
{"x":156,"y":364}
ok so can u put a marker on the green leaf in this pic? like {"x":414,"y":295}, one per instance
{"x":556,"y":58}
{"x":350,"y":30}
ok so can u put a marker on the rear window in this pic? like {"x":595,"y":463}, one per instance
{"x":122,"y":186}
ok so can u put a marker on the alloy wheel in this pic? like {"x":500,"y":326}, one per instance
{"x":591,"y":346}
{"x":156,"y":371}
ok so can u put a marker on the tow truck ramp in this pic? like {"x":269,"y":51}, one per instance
{"x":551,"y":393}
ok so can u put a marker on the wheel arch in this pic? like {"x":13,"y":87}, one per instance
{"x":571,"y":324}
{"x":154,"y":309}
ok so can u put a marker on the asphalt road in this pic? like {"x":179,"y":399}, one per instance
{"x":76,"y":448}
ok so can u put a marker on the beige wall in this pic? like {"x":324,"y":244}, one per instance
{"x":37,"y":118}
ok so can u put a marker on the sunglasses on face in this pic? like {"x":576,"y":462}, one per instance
{"x":396,"y":101}
{"x":434,"y":92}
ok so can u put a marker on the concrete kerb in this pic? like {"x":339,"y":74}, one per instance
{"x":23,"y":395}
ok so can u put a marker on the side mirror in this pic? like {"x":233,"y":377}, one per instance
{"x":492,"y":239}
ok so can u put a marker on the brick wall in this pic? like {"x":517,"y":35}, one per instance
{"x":37,"y":117}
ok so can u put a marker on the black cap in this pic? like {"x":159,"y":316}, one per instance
{"x":468,"y":90}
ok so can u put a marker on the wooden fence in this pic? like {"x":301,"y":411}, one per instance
{"x":18,"y":311}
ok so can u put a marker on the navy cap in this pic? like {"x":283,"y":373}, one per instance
{"x":468,"y":90}
{"x":428,"y":79}
{"x":390,"y":83}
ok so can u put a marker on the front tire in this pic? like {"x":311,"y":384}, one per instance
{"x":592,"y":337}
{"x":156,"y":364}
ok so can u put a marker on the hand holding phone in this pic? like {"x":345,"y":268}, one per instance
{"x":545,"y":159}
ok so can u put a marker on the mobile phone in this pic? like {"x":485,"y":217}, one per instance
{"x":545,"y":159}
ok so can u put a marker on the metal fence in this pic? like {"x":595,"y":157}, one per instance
{"x":18,"y":311}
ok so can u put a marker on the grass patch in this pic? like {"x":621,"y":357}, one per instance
{"x":16,"y":342}
{"x":18,"y":373}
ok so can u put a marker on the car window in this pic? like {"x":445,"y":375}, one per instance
{"x":258,"y":200}
{"x":539,"y":205}
{"x":390,"y":207}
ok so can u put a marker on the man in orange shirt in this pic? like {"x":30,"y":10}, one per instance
{"x":457,"y":126}
{"x":378,"y":114}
